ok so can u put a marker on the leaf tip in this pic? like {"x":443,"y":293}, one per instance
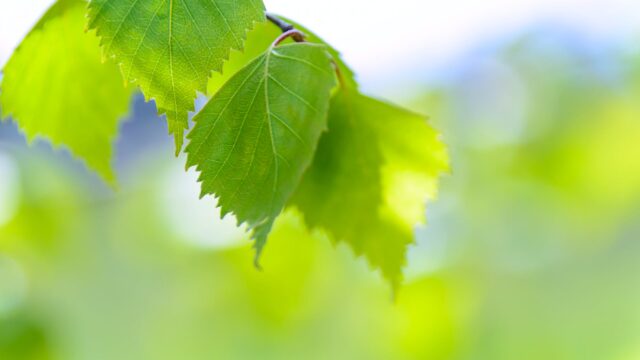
{"x":256,"y":261}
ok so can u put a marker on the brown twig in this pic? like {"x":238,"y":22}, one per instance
{"x":293,"y":33}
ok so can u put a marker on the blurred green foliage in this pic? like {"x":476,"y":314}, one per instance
{"x":70,"y":96}
{"x":531,"y":251}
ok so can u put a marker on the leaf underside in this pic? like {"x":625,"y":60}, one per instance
{"x":170,"y":47}
{"x":372,"y":173}
{"x":56,"y":86}
{"x":257,"y":135}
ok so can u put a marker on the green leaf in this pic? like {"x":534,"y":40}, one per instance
{"x":258,"y":41}
{"x":56,"y":86}
{"x":257,"y":135}
{"x":56,"y":10}
{"x":370,"y":179}
{"x":170,"y":47}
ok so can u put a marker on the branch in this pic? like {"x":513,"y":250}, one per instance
{"x":289,"y":31}
{"x":283,"y":25}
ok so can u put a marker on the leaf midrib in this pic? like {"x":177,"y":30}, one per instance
{"x":273,"y":144}
{"x":173,"y":85}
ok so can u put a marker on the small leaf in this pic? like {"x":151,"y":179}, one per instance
{"x":56,"y":86}
{"x":258,"y":41}
{"x":170,"y":47}
{"x":370,"y":179}
{"x":257,"y":135}
{"x":348,"y":76}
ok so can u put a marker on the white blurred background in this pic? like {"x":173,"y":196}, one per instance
{"x":385,"y":44}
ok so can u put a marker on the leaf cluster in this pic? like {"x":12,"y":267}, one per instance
{"x":285,"y":125}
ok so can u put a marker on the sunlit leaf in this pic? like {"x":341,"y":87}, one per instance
{"x":171,"y":47}
{"x":56,"y":86}
{"x":257,"y":135}
{"x":370,"y":179}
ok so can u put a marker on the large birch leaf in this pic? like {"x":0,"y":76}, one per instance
{"x":372,"y":174}
{"x":56,"y":86}
{"x":258,"y":134}
{"x":170,"y":47}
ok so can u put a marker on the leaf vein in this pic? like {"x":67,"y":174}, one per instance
{"x":293,"y":93}
{"x":235,"y":94}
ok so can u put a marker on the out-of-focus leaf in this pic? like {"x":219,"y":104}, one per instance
{"x":171,"y":47}
{"x":22,"y":338}
{"x":56,"y":86}
{"x":253,"y":141}
{"x":370,"y":179}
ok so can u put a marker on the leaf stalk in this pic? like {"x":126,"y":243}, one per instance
{"x":290,"y":31}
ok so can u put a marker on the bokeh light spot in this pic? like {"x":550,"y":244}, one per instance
{"x":196,"y":222}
